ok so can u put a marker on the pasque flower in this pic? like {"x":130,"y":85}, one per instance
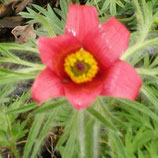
{"x":84,"y":63}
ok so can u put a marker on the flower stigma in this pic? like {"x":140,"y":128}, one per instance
{"x":81,"y":66}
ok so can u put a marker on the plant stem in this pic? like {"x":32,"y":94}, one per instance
{"x":139,"y":12}
{"x":32,"y":69}
{"x":148,"y":72}
{"x":95,"y":140}
{"x":13,"y":46}
{"x":137,"y":47}
{"x":81,"y":134}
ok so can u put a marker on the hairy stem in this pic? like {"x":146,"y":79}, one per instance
{"x":81,"y":134}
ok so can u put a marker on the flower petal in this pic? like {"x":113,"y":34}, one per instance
{"x":122,"y":81}
{"x":47,"y":85}
{"x":80,"y":20}
{"x":82,"y":95}
{"x":54,"y":50}
{"x":108,"y":42}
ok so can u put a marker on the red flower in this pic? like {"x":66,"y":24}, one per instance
{"x":84,"y":62}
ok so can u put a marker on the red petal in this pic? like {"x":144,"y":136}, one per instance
{"x":108,"y":42}
{"x":122,"y":81}
{"x":47,"y":85}
{"x":54,"y":50}
{"x":80,"y":20}
{"x":82,"y":95}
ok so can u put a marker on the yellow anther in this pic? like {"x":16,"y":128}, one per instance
{"x":81,"y":66}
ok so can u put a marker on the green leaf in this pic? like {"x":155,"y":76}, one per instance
{"x":13,"y":46}
{"x":46,"y":25}
{"x":34,"y":131}
{"x":64,"y":8}
{"x":8,"y":76}
{"x":5,"y":91}
{"x":22,"y":109}
{"x":150,"y":96}
{"x":8,"y":54}
{"x":43,"y":132}
{"x":142,"y":137}
{"x":71,"y":142}
{"x":140,"y":154}
{"x":109,"y":115}
{"x":49,"y":107}
{"x":121,"y":152}
{"x":89,"y":131}
{"x":100,"y":118}
{"x":140,"y":107}
{"x":69,"y":139}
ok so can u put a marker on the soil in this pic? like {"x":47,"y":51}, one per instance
{"x":5,"y":35}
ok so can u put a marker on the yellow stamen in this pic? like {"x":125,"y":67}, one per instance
{"x":81,"y":66}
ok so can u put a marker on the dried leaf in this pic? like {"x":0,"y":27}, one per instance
{"x":23,"y":33}
{"x":11,"y":22}
{"x":18,"y":7}
{"x":5,"y":10}
{"x":11,"y":1}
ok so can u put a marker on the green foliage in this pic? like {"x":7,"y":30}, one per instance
{"x":11,"y":128}
{"x":11,"y":75}
{"x":116,"y":128}
{"x":2,"y":1}
{"x":51,"y":24}
{"x":109,"y":7}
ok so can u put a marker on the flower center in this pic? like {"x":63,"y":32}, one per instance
{"x":81,"y":66}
